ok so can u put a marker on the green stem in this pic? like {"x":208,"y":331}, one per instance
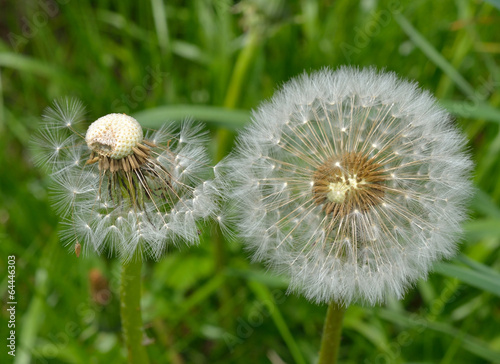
{"x":331,"y":334}
{"x":130,"y":310}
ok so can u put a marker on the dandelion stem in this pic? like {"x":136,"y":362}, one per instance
{"x":130,"y":290}
{"x":332,"y":331}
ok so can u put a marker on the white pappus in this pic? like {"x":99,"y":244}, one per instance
{"x":352,"y":182}
{"x":120,"y":191}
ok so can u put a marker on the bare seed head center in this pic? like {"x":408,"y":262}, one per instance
{"x":116,"y":143}
{"x":114,"y":135}
{"x":347,"y":183}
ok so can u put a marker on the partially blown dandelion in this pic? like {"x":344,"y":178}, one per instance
{"x":120,"y":191}
{"x":352,"y":182}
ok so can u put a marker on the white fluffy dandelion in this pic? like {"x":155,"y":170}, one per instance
{"x":352,"y":182}
{"x":119,"y":190}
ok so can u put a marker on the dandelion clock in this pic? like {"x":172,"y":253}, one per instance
{"x":351,"y":182}
{"x":125,"y":192}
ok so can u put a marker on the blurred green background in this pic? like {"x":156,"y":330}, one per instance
{"x":214,"y":61}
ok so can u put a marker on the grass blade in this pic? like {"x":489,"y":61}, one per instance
{"x":160,"y":19}
{"x":469,"y":343}
{"x":479,"y":267}
{"x":488,"y":282}
{"x":262,"y":292}
{"x":434,"y":55}
{"x":30,"y":65}
{"x":219,"y":116}
{"x":472,"y":110}
{"x":479,"y":229}
{"x":483,"y":203}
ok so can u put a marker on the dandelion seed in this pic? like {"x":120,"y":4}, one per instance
{"x":116,"y":188}
{"x":78,"y":249}
{"x":364,"y":191}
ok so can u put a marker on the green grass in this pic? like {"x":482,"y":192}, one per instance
{"x":214,"y":62}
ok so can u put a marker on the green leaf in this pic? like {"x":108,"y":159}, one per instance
{"x":489,"y":282}
{"x":22,"y":63}
{"x":219,"y":116}
{"x":472,"y":110}
{"x":479,"y":267}
{"x":483,"y":203}
{"x":469,"y":343}
{"x":482,"y":228}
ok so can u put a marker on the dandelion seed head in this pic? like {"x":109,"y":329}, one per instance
{"x":365,"y":189}
{"x":118,"y":191}
{"x":114,"y":135}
